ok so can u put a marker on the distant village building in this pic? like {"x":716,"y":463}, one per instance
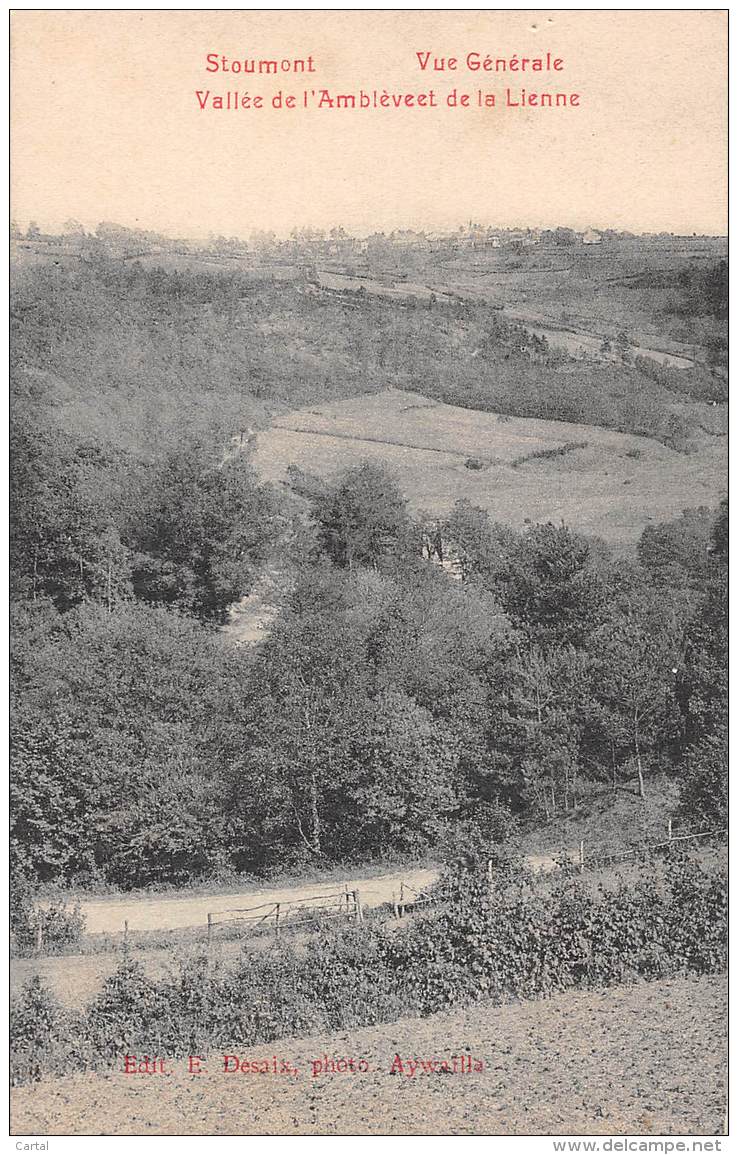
{"x":591,"y":238}
{"x":406,"y":240}
{"x":523,"y":237}
{"x":484,"y":239}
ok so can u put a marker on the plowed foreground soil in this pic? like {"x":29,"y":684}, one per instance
{"x":648,"y":1059}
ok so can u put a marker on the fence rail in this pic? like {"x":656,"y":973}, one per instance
{"x":595,"y":860}
{"x":405,"y":900}
{"x":409,"y":896}
{"x":292,"y":912}
{"x":346,"y":903}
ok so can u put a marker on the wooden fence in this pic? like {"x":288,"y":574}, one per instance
{"x":597,"y":859}
{"x":409,"y":898}
{"x":346,"y":903}
{"x":343,"y":904}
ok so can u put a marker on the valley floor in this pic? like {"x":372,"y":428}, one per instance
{"x":648,"y":1059}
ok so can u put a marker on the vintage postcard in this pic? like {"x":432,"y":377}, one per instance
{"x":369,"y":525}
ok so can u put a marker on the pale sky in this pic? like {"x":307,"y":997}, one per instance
{"x":106,"y":124}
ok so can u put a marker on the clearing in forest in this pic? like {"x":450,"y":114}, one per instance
{"x":601,"y":482}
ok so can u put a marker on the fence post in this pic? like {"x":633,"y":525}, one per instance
{"x":402,"y":900}
{"x":125,"y":934}
{"x":395,"y":907}
{"x":357,"y":903}
{"x":581,"y":856}
{"x":39,"y":937}
{"x":210,"y":927}
{"x":276,"y":919}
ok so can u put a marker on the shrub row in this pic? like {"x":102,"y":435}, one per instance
{"x":515,"y":941}
{"x":545,"y":454}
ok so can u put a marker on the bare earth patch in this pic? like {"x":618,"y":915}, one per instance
{"x":628,"y":1060}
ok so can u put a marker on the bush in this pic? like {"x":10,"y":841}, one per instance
{"x":487,"y":839}
{"x":525,"y":943}
{"x":38,"y":1026}
{"x":704,"y":787}
{"x":546,"y":454}
{"x":132,"y":1012}
{"x":22,"y":909}
{"x":59,"y":925}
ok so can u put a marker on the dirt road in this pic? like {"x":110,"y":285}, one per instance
{"x":166,"y":913}
{"x":163,"y":912}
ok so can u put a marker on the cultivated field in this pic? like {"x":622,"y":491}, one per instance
{"x":613,"y":487}
{"x":651,"y":1058}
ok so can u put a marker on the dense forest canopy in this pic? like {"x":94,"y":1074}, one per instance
{"x":392,"y":701}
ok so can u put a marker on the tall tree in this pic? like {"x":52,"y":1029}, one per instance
{"x":363,"y":517}
{"x":477,"y":545}
{"x":677,"y":551}
{"x":703,"y":692}
{"x":548,"y":587}
{"x":633,"y":685}
{"x":200,"y":532}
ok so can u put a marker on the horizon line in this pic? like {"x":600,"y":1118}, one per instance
{"x":171,"y":233}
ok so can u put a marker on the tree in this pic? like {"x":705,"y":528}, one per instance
{"x":120,"y":726}
{"x":677,"y":550}
{"x":622,"y":343}
{"x":51,"y":797}
{"x":404,"y":785}
{"x":703,"y":678}
{"x":703,"y":801}
{"x":548,"y":587}
{"x":565,"y":237}
{"x":479,"y":546}
{"x":64,"y":540}
{"x":535,"y":723}
{"x":200,"y":532}
{"x":352,"y":732}
{"x":304,"y":697}
{"x":363,"y":517}
{"x":633,"y":687}
{"x":719,"y":544}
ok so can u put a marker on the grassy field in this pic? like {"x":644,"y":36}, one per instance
{"x":629,"y":1060}
{"x":613,"y":487}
